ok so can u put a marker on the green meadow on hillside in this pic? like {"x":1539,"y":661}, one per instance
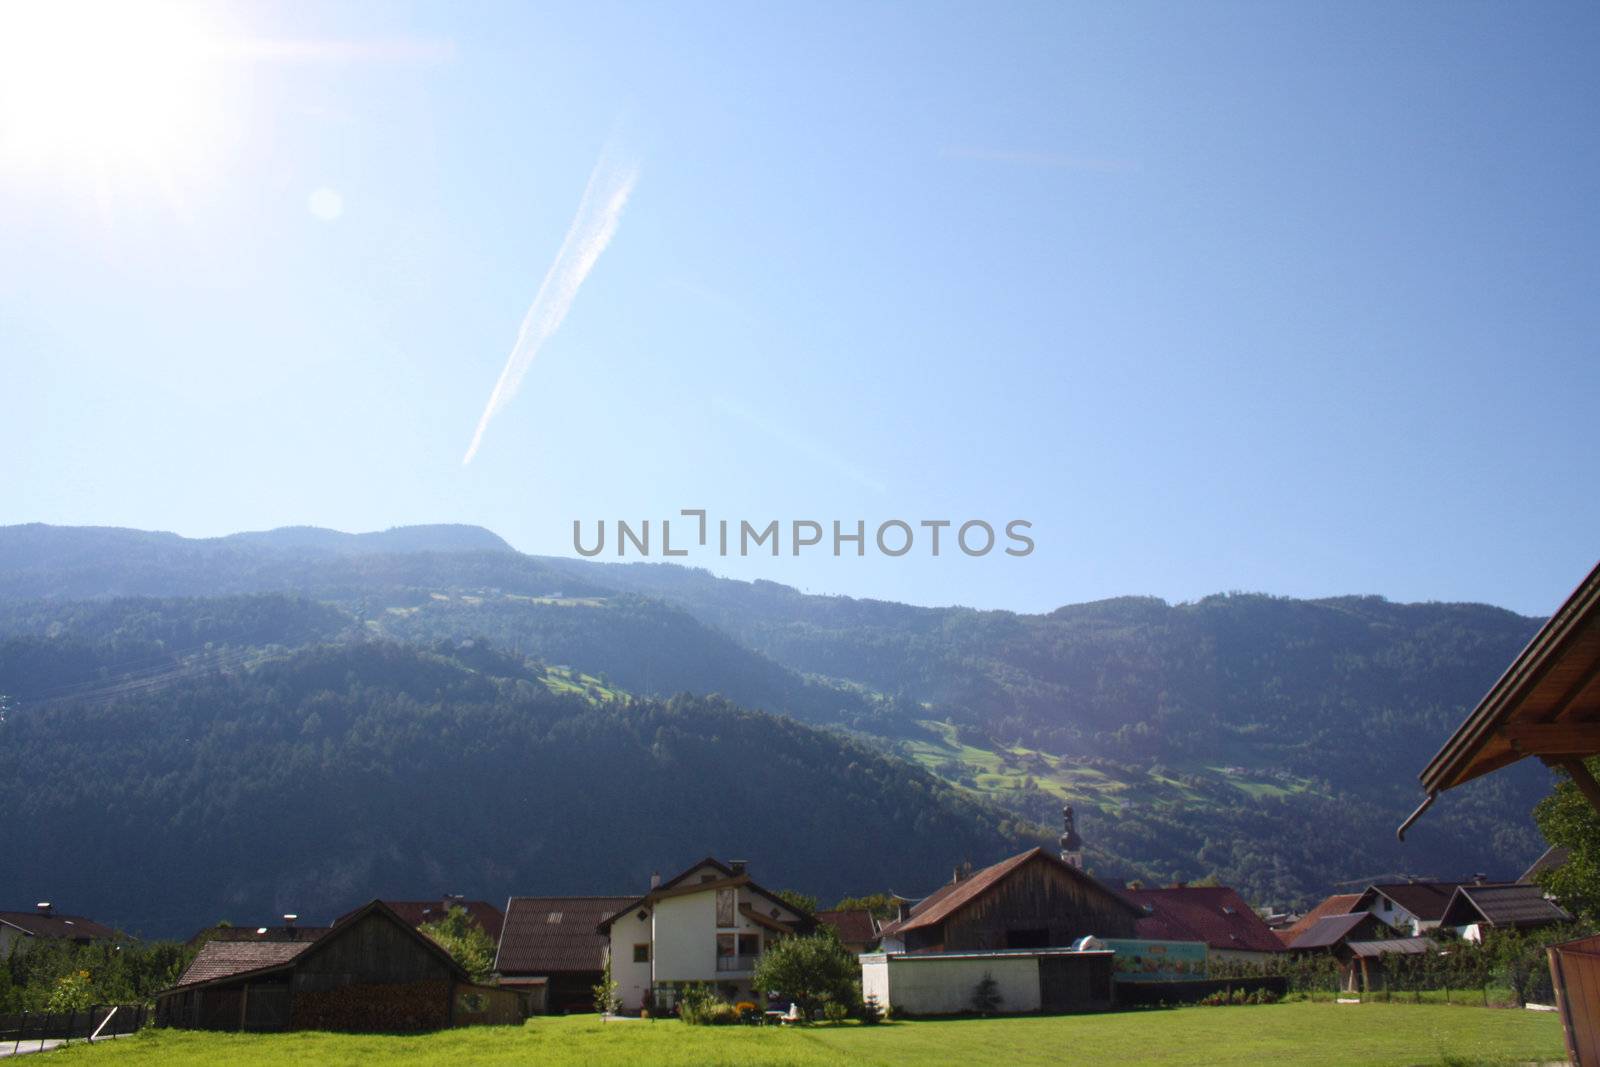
{"x":1320,"y":1035}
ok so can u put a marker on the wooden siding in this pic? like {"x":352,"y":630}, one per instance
{"x":1039,"y":902}
{"x":373,"y":951}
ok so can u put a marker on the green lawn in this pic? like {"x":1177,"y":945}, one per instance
{"x":1260,"y":1036}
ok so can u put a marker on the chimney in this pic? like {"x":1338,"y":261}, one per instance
{"x":289,"y":920}
{"x":44,"y":907}
{"x":655,"y":879}
{"x":738,"y":866}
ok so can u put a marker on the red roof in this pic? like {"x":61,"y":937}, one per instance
{"x":1338,"y":904}
{"x":66,"y":927}
{"x":549,"y":935}
{"x":225,"y":959}
{"x":1214,"y":914}
{"x":953,"y":896}
{"x":854,"y":926}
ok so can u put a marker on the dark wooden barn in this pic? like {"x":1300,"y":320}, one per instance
{"x":1032,"y":900}
{"x":371,"y":971}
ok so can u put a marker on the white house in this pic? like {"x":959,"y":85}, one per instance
{"x":709,"y":924}
{"x":1410,"y":907}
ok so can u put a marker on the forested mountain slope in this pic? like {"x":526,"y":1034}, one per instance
{"x":1269,"y":741}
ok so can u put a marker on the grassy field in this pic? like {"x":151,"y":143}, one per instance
{"x":1301,"y":1033}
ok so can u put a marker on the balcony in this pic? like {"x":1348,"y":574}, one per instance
{"x":736,"y":963}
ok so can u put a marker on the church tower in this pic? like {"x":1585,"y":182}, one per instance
{"x":1071,"y":843}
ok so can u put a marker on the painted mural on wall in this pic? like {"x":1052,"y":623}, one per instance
{"x":1158,"y":961}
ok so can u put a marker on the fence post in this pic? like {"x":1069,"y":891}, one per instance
{"x":22,"y":1027}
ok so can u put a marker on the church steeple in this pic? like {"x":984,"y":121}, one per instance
{"x":1071,"y":843}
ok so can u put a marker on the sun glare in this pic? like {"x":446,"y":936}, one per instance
{"x":104,"y":86}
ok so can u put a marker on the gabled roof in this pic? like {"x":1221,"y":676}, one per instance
{"x":854,"y":925}
{"x":1554,"y":857}
{"x":678,"y":885}
{"x":1330,"y":930}
{"x":1404,"y":946}
{"x":950,"y":898}
{"x":1216,"y":915}
{"x":217,"y":960}
{"x":258,"y":933}
{"x":223,"y":960}
{"x":418,"y":912}
{"x":37,"y":923}
{"x":1338,"y":904}
{"x":545,"y":935}
{"x":1502,"y":905}
{"x":1425,"y":900}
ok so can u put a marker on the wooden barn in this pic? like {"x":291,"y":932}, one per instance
{"x":371,"y":971}
{"x":1030,"y":901}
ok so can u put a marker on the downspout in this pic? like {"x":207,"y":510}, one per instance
{"x":1400,"y":834}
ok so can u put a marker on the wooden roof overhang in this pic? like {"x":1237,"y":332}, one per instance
{"x":1546,"y":704}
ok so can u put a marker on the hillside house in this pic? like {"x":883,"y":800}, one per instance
{"x":711,"y":923}
{"x":552,"y":950}
{"x":44,"y":923}
{"x":1031,"y":900}
{"x":1474,"y":910}
{"x":1214,"y":915}
{"x":371,"y":971}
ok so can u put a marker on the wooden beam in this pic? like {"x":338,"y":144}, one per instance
{"x":1582,"y":779}
{"x":1553,"y":738}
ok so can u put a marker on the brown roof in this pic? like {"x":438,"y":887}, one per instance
{"x":1405,"y":946}
{"x":1338,"y":904}
{"x":226,"y":959}
{"x":854,"y":926}
{"x":418,"y":912}
{"x":1543,"y":705}
{"x":258,"y":933}
{"x":1332,"y":929}
{"x":1503,"y":905}
{"x":1554,"y":857}
{"x":730,"y":878}
{"x":36,"y":923}
{"x":953,"y":896}
{"x":1214,"y":914}
{"x":545,"y":935}
{"x":1425,"y":900}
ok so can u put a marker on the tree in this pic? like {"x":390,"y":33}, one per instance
{"x":1566,"y":818}
{"x":606,"y":999}
{"x":461,"y":936}
{"x":796,"y":899}
{"x":882,"y":905}
{"x":986,"y":997}
{"x":72,"y":992}
{"x":811,"y":971}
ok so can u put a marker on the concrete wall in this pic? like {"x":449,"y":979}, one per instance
{"x":943,"y":985}
{"x":632,"y":979}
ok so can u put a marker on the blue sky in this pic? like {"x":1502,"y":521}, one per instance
{"x":1284,"y":298}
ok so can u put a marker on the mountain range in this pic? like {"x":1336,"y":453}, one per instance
{"x":299,"y":719}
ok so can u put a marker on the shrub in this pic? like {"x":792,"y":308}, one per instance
{"x":986,"y":995}
{"x":871,"y":1012}
{"x":696,"y":1003}
{"x":835,"y":1012}
{"x":811,"y":971}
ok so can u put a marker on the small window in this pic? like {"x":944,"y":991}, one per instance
{"x":641,"y":953}
{"x":749,"y":944}
{"x":726,"y":946}
{"x":553,"y":917}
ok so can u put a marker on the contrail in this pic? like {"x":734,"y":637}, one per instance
{"x":591,"y":230}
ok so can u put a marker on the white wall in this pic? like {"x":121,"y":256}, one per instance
{"x":943,"y":985}
{"x":632,"y":978}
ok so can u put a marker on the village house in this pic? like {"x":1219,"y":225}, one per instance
{"x":857,"y":928}
{"x":371,"y":971}
{"x":1331,"y":932}
{"x":1474,"y":910}
{"x":552,"y":950}
{"x":44,"y":923}
{"x":1408,"y":906}
{"x":710,"y":924}
{"x":1031,"y":900}
{"x":1214,"y":915}
{"x":1338,"y":904}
